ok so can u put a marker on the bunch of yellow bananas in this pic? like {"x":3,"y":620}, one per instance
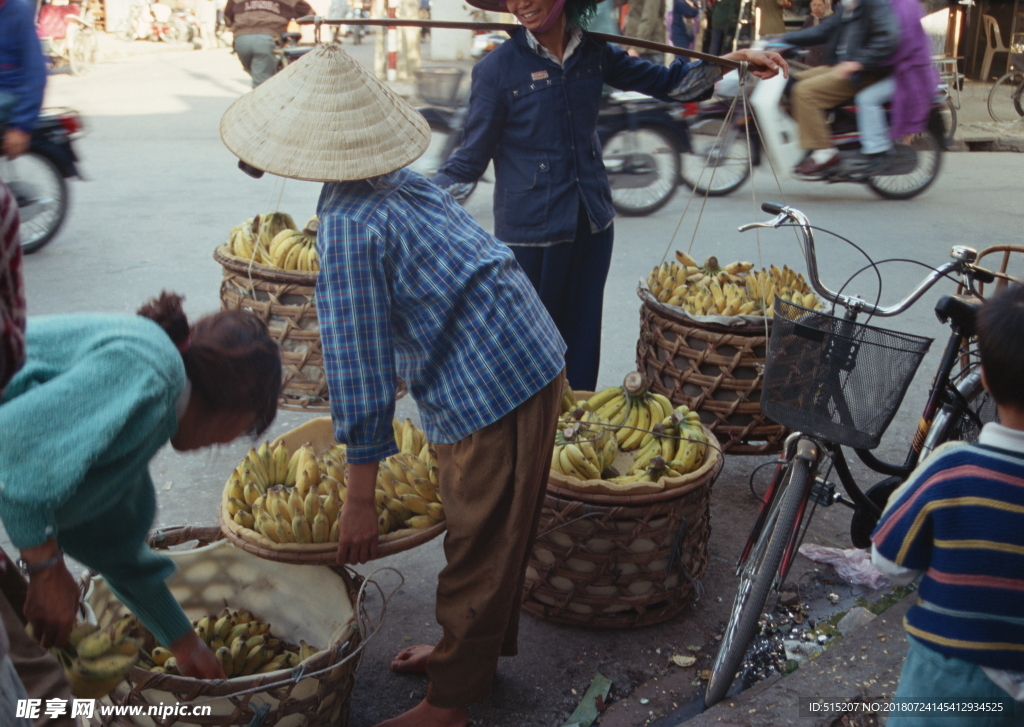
{"x":676,"y":446}
{"x":97,"y":660}
{"x":407,"y":493}
{"x":272,"y":239}
{"x":296,"y":249}
{"x":731,"y":290}
{"x":569,"y":401}
{"x":584,"y":446}
{"x":630,"y":408}
{"x":243,"y":645}
{"x":296,"y":497}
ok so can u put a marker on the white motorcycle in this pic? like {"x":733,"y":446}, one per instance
{"x":722,"y":155}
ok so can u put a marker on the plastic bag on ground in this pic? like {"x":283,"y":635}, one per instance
{"x":852,"y":564}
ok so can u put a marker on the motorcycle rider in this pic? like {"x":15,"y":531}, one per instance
{"x":859,"y":37}
{"x":256,"y":25}
{"x":22,"y":76}
{"x":910,"y":87}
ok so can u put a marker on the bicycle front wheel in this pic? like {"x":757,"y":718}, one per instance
{"x":756,"y":580}
{"x":1006,"y":99}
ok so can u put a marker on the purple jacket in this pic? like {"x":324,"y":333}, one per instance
{"x":913,"y":72}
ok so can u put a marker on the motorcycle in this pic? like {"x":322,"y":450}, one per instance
{"x":187,"y":25}
{"x":37,"y":179}
{"x":150,"y":21}
{"x":288,"y":49}
{"x":641,"y":141}
{"x":446,"y":116}
{"x":723,"y":155}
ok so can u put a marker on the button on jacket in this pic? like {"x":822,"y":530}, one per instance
{"x":538,"y":121}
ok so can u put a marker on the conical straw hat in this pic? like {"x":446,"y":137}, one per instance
{"x":324,"y":118}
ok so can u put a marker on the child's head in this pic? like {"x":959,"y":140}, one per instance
{"x":1001,"y":343}
{"x":231,"y":361}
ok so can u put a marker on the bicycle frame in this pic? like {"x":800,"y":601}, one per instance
{"x":939,"y":395}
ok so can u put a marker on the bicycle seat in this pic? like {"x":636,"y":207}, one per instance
{"x":961,"y":312}
{"x":290,"y":38}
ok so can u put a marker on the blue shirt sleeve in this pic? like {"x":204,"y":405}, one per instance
{"x":681,"y":81}
{"x":354,"y":311}
{"x":30,"y":95}
{"x":484,"y":123}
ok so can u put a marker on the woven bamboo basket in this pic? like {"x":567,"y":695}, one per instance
{"x":316,"y":606}
{"x":715,"y":370}
{"x":319,"y":433}
{"x":621,"y":561}
{"x":283,"y":299}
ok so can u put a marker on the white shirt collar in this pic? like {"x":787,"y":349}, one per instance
{"x":1000,"y":437}
{"x":575,"y":38}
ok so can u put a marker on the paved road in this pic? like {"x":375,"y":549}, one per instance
{"x":162,"y":192}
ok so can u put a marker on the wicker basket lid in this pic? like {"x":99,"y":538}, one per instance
{"x":324,"y":118}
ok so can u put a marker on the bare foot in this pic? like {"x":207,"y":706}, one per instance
{"x":412,"y":660}
{"x":427,"y":715}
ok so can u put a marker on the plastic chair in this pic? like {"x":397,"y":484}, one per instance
{"x":993,"y":45}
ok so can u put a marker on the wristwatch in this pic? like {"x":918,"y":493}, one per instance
{"x":30,"y":569}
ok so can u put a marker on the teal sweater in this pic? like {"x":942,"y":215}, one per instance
{"x":79,"y":423}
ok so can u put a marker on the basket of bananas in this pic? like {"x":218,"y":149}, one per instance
{"x":259,"y":617}
{"x":623,"y":550}
{"x":282,"y":501}
{"x":281,"y":295}
{"x":703,"y":339}
{"x":628,"y":441}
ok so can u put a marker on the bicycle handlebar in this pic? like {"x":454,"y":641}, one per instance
{"x":962,"y":264}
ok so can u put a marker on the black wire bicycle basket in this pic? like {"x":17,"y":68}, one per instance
{"x":834,"y":379}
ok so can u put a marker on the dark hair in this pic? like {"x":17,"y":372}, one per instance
{"x":579,"y":13}
{"x":1001,"y":343}
{"x":233,"y":363}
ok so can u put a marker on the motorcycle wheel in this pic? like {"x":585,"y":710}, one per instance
{"x":42,"y":195}
{"x":643,"y":169}
{"x":928,"y":148}
{"x":718,"y":164}
{"x":82,"y":54}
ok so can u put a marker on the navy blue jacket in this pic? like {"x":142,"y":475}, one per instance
{"x":22,"y":67}
{"x":538,"y":122}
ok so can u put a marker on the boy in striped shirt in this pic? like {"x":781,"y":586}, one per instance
{"x":958,"y":524}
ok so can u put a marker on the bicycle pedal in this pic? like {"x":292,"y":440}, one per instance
{"x":823,"y":492}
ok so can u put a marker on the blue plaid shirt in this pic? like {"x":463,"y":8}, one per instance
{"x":411,"y":285}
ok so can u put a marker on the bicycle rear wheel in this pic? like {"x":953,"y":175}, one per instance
{"x":757,"y":578}
{"x":1006,"y":99}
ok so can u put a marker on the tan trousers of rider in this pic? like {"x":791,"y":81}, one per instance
{"x":817,"y":90}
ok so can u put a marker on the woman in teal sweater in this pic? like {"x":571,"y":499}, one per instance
{"x":97,"y":397}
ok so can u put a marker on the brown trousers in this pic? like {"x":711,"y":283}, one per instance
{"x":42,"y":675}
{"x":492,"y":484}
{"x":817,"y":90}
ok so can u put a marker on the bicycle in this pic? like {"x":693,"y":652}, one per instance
{"x":1006,"y":99}
{"x":838,"y":383}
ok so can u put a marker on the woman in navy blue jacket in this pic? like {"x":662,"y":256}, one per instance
{"x":533,"y":110}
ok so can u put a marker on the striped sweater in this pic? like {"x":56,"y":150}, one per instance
{"x":959,"y":520}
